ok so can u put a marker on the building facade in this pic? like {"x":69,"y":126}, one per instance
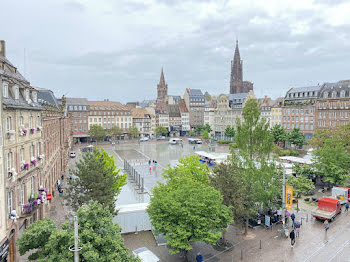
{"x":142,"y":120}
{"x":175,"y":125}
{"x":109,"y":114}
{"x":209,"y":114}
{"x":195,"y":103}
{"x":332,"y":108}
{"x":22,"y":155}
{"x":237,"y":85}
{"x":185,"y":117}
{"x":276,"y":112}
{"x":299,"y":109}
{"x":78,"y":110}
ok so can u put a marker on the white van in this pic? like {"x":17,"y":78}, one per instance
{"x":72,"y":154}
{"x":145,"y":255}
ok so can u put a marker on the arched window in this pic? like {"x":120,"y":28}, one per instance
{"x":325,"y":95}
{"x":334,"y":94}
{"x":342,"y":93}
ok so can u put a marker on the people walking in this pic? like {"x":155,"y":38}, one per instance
{"x":293,"y":219}
{"x":149,"y":162}
{"x":292,"y":238}
{"x":199,"y":257}
{"x":346,"y":207}
{"x":326,"y":226}
{"x":297,"y":228}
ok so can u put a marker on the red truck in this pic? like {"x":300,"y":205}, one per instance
{"x":328,"y":208}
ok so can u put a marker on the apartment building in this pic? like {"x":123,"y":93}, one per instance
{"x":174,"y":119}
{"x":108,"y":114}
{"x":299,"y":109}
{"x":78,"y":110}
{"x":22,"y":159}
{"x":185,"y":117}
{"x":142,"y":120}
{"x":209,"y":113}
{"x":332,"y":108}
{"x":195,"y":103}
{"x":276,"y":112}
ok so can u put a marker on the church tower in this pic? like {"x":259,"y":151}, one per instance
{"x":237,"y":85}
{"x":162,"y":89}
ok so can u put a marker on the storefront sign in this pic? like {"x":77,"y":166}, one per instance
{"x":4,"y":250}
{"x":289,"y":197}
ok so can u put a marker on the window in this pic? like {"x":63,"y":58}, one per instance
{"x":80,"y":128}
{"x":32,"y":185}
{"x":325,"y":95}
{"x":306,"y":127}
{"x":9,"y":161}
{"x":30,"y":122}
{"x":16,"y":92}
{"x":21,"y":155}
{"x":121,"y":125}
{"x":31,"y":151}
{"x":38,"y":121}
{"x":22,"y":194}
{"x":34,"y":96}
{"x":5,"y":90}
{"x":38,"y":149}
{"x":80,"y":108}
{"x":9,"y":202}
{"x":8,"y":123}
{"x":334,"y":94}
{"x":20,"y":121}
{"x":75,"y":108}
{"x":342,"y":93}
{"x":26,"y":94}
{"x":311,"y":127}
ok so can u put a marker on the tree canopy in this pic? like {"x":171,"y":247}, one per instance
{"x":97,"y":132}
{"x":161,"y":131}
{"x":99,"y":238}
{"x":230,"y":132}
{"x":96,"y":178}
{"x":205,"y":135}
{"x":187,"y":209}
{"x":133,"y":131}
{"x":278,"y":133}
{"x":300,"y":184}
{"x":116,"y":131}
{"x":296,"y":138}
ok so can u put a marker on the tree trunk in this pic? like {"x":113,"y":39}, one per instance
{"x":246,"y":226}
{"x":224,"y":237}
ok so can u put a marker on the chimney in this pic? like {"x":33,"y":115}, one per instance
{"x":2,"y":48}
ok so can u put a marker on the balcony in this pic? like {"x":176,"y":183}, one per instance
{"x":28,"y":209}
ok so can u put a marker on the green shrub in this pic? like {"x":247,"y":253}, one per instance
{"x":224,"y":142}
{"x":288,"y":153}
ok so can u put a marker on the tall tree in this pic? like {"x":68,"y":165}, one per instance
{"x":207,"y":127}
{"x":99,"y":238}
{"x":116,"y":131}
{"x":97,"y":178}
{"x":198,"y":129}
{"x":97,"y":132}
{"x":161,"y":131}
{"x":300,"y":184}
{"x":182,"y":217}
{"x":278,"y":133}
{"x":259,"y":176}
{"x":230,"y":132}
{"x":133,"y":131}
{"x":205,"y":135}
{"x":332,"y":161}
{"x":296,"y":138}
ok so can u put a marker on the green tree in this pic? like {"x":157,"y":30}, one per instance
{"x":161,"y":131}
{"x":332,"y":161}
{"x":133,"y":131}
{"x":116,"y":131}
{"x":207,"y":128}
{"x":300,"y":184}
{"x":192,"y":133}
{"x":278,"y":133}
{"x":198,"y":129}
{"x":230,"y":132}
{"x":97,"y":132}
{"x":96,"y":179}
{"x":205,"y":135}
{"x":182,"y":217}
{"x":319,"y":136}
{"x":260,"y":178}
{"x":296,"y":138}
{"x":99,"y":238}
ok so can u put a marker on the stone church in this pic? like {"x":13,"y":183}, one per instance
{"x":237,"y":85}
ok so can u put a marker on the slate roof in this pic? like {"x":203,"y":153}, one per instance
{"x":195,"y":93}
{"x":139,"y":112}
{"x":337,"y":87}
{"x":11,"y":71}
{"x":106,"y":105}
{"x":309,"y":91}
{"x":76,"y":101}
{"x":182,"y":106}
{"x":46,"y":95}
{"x":173,"y":111}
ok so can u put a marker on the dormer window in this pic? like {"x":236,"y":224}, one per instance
{"x":5,"y":90}
{"x":16,"y":91}
{"x":342,"y":93}
{"x":26,"y":94}
{"x":34,"y":96}
{"x":334,"y":94}
{"x":325,"y":95}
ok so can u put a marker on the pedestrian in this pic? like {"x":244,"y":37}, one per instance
{"x":155,"y":165}
{"x":199,"y":257}
{"x":292,"y":238}
{"x":149,"y":162}
{"x":293,"y":218}
{"x":297,"y":228}
{"x":62,"y":177}
{"x":347,"y":207}
{"x":150,"y":169}
{"x":326,"y":226}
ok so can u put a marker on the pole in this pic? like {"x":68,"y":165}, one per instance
{"x":283,"y":197}
{"x":76,"y":239}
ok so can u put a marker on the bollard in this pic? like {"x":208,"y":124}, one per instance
{"x":260,"y":243}
{"x":241,"y":254}
{"x":139,"y":185}
{"x":142,"y":184}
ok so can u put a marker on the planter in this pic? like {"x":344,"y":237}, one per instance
{"x":32,"y":130}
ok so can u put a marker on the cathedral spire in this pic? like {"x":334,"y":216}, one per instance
{"x":162,"y":80}
{"x":237,"y":56}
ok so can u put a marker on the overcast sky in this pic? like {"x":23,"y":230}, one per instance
{"x":115,"y":48}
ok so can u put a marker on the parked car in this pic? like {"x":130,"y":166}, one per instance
{"x":145,"y":255}
{"x":161,"y":138}
{"x":72,"y":154}
{"x":144,"y":139}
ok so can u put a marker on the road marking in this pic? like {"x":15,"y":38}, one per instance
{"x":339,"y":250}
